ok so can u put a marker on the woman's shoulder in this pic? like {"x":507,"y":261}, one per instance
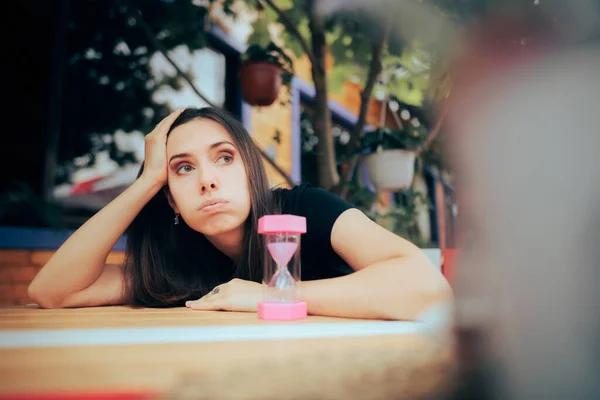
{"x":288,"y":200}
{"x":305,"y":198}
{"x":285,"y":193}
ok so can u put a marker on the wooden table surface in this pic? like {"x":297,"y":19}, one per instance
{"x":183,"y":354}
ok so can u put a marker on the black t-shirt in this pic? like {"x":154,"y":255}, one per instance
{"x":321,"y":209}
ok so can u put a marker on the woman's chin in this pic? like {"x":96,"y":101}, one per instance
{"x":221,"y":225}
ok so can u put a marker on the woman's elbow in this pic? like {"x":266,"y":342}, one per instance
{"x":431,"y":294}
{"x":440,"y":291}
{"x":41,"y":296}
{"x":423,"y":295}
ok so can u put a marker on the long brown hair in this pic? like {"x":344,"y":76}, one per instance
{"x":167,"y":264}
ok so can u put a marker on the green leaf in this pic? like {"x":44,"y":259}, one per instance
{"x":338,"y":52}
{"x":340,"y":74}
{"x":283,"y":4}
{"x":226,"y":6}
{"x":269,"y":14}
{"x":293,"y":45}
{"x":260,"y":33}
{"x":291,"y":41}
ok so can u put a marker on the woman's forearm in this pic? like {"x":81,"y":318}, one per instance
{"x":397,"y":289}
{"x":81,"y":259}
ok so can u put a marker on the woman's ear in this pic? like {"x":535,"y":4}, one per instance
{"x":167,"y":193}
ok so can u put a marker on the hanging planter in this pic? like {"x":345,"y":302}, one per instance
{"x":390,"y":157}
{"x":260,"y":82}
{"x":391,"y":170}
{"x":264,"y":70}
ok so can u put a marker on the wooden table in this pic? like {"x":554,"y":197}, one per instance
{"x":183,"y":354}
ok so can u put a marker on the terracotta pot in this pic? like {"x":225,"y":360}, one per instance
{"x":260,"y":82}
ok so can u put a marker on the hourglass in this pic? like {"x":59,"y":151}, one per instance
{"x":281,"y":276}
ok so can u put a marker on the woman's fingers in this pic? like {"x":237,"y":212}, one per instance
{"x":155,"y":160}
{"x":213,"y":300}
{"x":206,"y":304}
{"x":163,"y":126}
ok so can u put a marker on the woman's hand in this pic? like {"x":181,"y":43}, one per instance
{"x":235,"y":295}
{"x":155,"y":149}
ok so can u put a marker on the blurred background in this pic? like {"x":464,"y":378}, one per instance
{"x":330,"y":95}
{"x":91,"y":78}
{"x":467,"y":125}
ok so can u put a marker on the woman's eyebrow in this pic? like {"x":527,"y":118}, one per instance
{"x":217,"y":144}
{"x":212,"y":147}
{"x":179,"y":155}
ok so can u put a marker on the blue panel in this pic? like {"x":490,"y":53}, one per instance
{"x":39,"y":238}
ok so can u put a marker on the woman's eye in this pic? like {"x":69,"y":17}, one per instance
{"x":225,"y":159}
{"x":184,"y":169}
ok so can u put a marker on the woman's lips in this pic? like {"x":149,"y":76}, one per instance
{"x":213,"y":206}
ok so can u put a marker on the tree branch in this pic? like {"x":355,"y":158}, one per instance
{"x":277,"y":168}
{"x":292,"y":28}
{"x":432,"y":135}
{"x":158,"y":45}
{"x":375,"y":69}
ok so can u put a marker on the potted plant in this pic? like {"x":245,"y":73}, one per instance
{"x":390,"y":156}
{"x":402,"y":219}
{"x":263,"y":71}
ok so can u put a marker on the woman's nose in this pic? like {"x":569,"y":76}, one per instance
{"x":207,"y":187}
{"x":207,"y":180}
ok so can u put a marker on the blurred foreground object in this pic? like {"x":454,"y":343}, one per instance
{"x":523,"y":124}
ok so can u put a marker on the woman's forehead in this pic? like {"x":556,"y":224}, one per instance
{"x":197,"y":135}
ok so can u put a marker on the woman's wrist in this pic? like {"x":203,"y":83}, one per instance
{"x":151,"y":185}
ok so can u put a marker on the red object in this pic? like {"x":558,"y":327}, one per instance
{"x":449,"y":263}
{"x":260,"y":83}
{"x":85,"y":186}
{"x":114,"y":395}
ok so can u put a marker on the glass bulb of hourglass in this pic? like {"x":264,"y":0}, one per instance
{"x":282,"y":253}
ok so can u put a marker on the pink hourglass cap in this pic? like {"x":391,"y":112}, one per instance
{"x":282,"y":223}
{"x":282,"y":311}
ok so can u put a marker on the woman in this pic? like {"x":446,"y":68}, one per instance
{"x":192,"y":237}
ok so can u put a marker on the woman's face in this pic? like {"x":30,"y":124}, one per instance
{"x":207,"y":178}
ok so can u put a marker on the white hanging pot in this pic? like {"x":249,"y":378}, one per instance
{"x":391,"y":170}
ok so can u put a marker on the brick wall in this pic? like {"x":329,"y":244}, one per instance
{"x":19,"y":267}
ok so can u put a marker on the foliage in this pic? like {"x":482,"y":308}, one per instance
{"x":406,"y":76}
{"x":400,"y":70}
{"x":350,"y":36}
{"x":400,"y":219}
{"x":362,"y":197}
{"x":403,"y":220}
{"x":463,"y":11}
{"x":309,"y":141}
{"x":435,"y":155}
{"x":407,"y":138}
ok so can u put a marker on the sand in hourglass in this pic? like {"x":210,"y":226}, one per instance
{"x":282,"y":253}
